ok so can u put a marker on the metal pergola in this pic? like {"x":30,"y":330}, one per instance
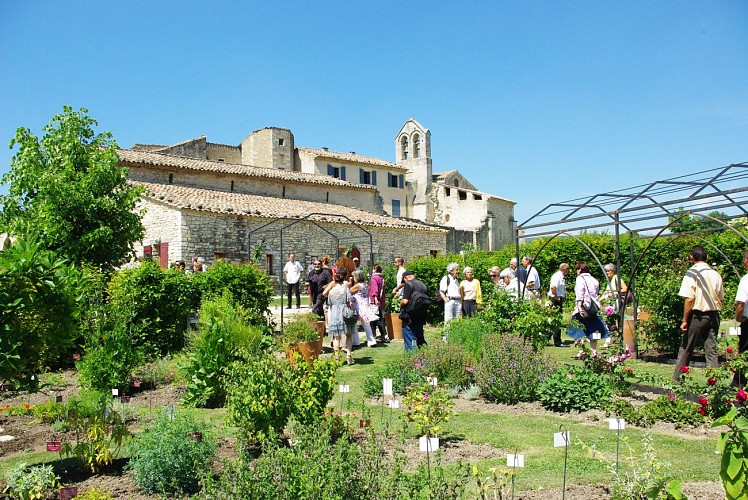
{"x":647,"y":211}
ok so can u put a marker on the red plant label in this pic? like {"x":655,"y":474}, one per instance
{"x":54,"y":446}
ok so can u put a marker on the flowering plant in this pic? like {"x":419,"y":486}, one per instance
{"x":609,"y":364}
{"x":428,"y":408}
{"x":734,"y":447}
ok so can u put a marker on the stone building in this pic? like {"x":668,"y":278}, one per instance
{"x":242,"y":202}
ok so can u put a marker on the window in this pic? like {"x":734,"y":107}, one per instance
{"x":416,"y":146}
{"x":395,"y":181}
{"x":396,"y":208}
{"x":171,"y":178}
{"x":447,"y":191}
{"x":367,"y":177}
{"x":232,"y":186}
{"x":404,"y":147}
{"x":280,"y":141}
{"x":462,"y":195}
{"x":401,"y":181}
{"x":456,"y":183}
{"x":477,"y":196}
{"x":337,"y":172}
{"x":434,"y":253}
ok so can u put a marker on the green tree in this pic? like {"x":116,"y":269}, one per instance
{"x":67,"y":192}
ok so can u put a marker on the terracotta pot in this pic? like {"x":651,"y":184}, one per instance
{"x":629,"y":338}
{"x":321,"y":328}
{"x":394,"y":326}
{"x":309,"y":350}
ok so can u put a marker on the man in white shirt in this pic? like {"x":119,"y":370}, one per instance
{"x":556,"y":293}
{"x":533,"y":278}
{"x":292,"y":273}
{"x":703,"y":293}
{"x":741,"y":316}
{"x":449,"y":290}
{"x":400,"y":263}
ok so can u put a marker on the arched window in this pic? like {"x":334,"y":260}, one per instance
{"x":404,"y":147}
{"x":456,"y":183}
{"x":416,"y":146}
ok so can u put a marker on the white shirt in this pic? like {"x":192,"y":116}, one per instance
{"x":532,"y":275}
{"x":400,"y":273}
{"x":742,"y":295}
{"x":293,"y":271}
{"x":451,"y":287}
{"x":557,"y":280}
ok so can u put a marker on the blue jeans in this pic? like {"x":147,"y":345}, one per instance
{"x":409,"y":338}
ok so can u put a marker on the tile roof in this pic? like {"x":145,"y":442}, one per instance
{"x":129,"y":157}
{"x":351,"y":157}
{"x":208,"y":200}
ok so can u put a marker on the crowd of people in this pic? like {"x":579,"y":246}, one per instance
{"x":462,"y":296}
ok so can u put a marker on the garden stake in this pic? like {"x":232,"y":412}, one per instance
{"x":618,"y":441}
{"x":566,"y":456}
{"x":428,"y":460}
{"x":513,"y":470}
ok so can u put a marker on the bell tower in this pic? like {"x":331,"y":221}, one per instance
{"x":413,"y":152}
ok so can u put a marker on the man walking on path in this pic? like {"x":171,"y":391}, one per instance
{"x":741,"y":316}
{"x":703,"y":293}
{"x":292,"y":273}
{"x":556,"y":293}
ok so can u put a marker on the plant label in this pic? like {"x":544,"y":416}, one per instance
{"x":515,"y":460}
{"x":387,"y":386}
{"x":560,"y":439}
{"x":115,"y":392}
{"x":106,"y":412}
{"x":170,"y":412}
{"x":444,"y":339}
{"x":596,"y":336}
{"x":68,"y":492}
{"x":734,"y":331}
{"x":433,"y":381}
{"x":58,"y":399}
{"x":616,"y":424}
{"x":394,"y":403}
{"x":428,"y":444}
{"x":54,"y":446}
{"x":344,"y":388}
{"x":125,"y":399}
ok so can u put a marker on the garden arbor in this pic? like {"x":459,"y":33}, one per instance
{"x":321,"y":226}
{"x":707,"y":201}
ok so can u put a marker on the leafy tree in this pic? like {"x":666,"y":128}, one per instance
{"x":690,"y":223}
{"x":67,"y":192}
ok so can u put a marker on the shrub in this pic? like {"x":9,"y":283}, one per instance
{"x":31,"y":483}
{"x":156,"y":298}
{"x":450,"y":363}
{"x":428,"y":408}
{"x":402,"y":372}
{"x":40,"y":301}
{"x":574,"y":388}
{"x":95,"y":494}
{"x":511,"y":369}
{"x":168,"y":456}
{"x":249,"y":286}
{"x":666,"y":408}
{"x":469,"y":332}
{"x":530,"y":319}
{"x":224,"y":333}
{"x":111,"y":353}
{"x":264,"y":393}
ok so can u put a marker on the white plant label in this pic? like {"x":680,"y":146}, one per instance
{"x":560,"y":439}
{"x":616,"y":424}
{"x":394,"y":403}
{"x":428,"y":444}
{"x":734,"y":331}
{"x":115,"y":392}
{"x":344,"y":388}
{"x":387,"y":386}
{"x":434,"y":381}
{"x":596,"y":336}
{"x":513,"y":460}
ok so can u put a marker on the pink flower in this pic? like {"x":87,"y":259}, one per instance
{"x":417,"y":364}
{"x":469,"y":369}
{"x":426,"y":396}
{"x":76,"y":356}
{"x":671,"y":398}
{"x":703,"y":401}
{"x":570,"y":375}
{"x":610,"y":310}
{"x":741,"y":396}
{"x":711,"y":381}
{"x":685,"y":369}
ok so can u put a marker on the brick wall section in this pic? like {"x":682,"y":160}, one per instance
{"x":195,"y":233}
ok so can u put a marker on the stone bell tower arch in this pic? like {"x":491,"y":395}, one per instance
{"x":413,"y":152}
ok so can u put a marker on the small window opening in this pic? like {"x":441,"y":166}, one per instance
{"x":171,"y":178}
{"x":280,"y":141}
{"x":404,"y":147}
{"x":456,"y":183}
{"x":462,"y":195}
{"x":477,"y":196}
{"x":434,"y":253}
{"x":447,"y":191}
{"x":284,"y":192}
{"x":221,"y":160}
{"x":416,"y":146}
{"x":232,"y":186}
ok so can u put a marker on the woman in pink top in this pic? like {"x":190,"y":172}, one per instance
{"x":586,"y":290}
{"x":377,"y":296}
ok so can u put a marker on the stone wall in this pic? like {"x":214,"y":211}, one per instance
{"x":222,"y":152}
{"x":269,"y":147}
{"x":194,"y":233}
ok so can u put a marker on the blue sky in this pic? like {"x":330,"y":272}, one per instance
{"x":537,"y":102}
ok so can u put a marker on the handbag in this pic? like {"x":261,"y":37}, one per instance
{"x":593,"y":308}
{"x":350,"y":316}
{"x":374,"y":311}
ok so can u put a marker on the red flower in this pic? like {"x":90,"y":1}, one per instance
{"x":701,"y":411}
{"x":741,"y":396}
{"x":685,"y":369}
{"x":703,"y":401}
{"x":27,"y":406}
{"x":711,"y":381}
{"x":671,"y":398}
{"x":730,"y":350}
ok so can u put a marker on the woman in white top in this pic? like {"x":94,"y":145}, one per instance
{"x":586,"y":290}
{"x":470,"y":293}
{"x":360,"y":291}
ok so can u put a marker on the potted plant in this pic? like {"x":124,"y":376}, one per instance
{"x":319,"y":324}
{"x":392,"y":317}
{"x":299,"y":336}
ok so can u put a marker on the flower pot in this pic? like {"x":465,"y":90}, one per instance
{"x":321,"y":328}
{"x":394,"y":326}
{"x":629,"y":336}
{"x":428,"y":444}
{"x":309,"y":350}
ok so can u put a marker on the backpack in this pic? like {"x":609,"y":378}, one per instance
{"x":419,"y":301}
{"x":437,"y":293}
